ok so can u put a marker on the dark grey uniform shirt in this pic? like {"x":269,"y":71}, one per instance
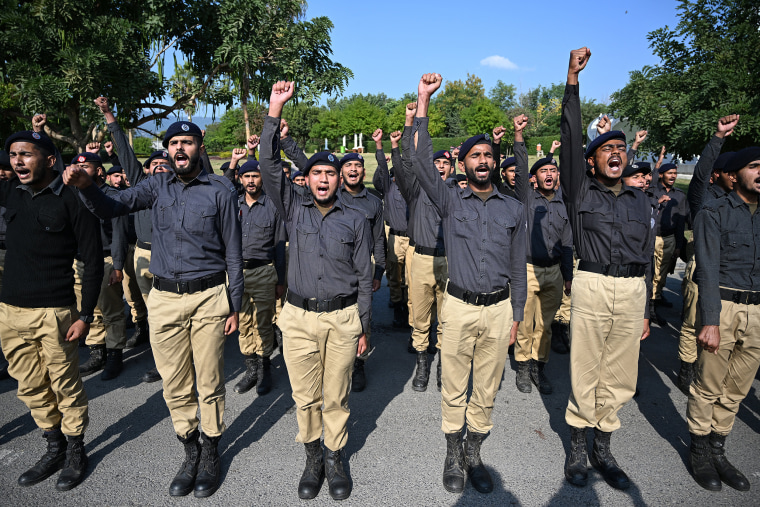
{"x":485,"y":240}
{"x":607,"y":229}
{"x":329,"y":255}
{"x":672,"y":214}
{"x":700,"y":190}
{"x":550,"y":238}
{"x":395,"y":209}
{"x":294,"y":153}
{"x":196,"y":224}
{"x":373,"y":211}
{"x":263,"y":233}
{"x":113,"y":233}
{"x":727,"y":250}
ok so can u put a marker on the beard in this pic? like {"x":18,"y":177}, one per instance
{"x":475,"y":178}
{"x":191,"y":165}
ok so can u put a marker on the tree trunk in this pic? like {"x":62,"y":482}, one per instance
{"x":244,"y":105}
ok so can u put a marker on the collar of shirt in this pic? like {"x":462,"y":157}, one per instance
{"x":56,"y":186}
{"x":623,"y":189}
{"x":362,"y":193}
{"x":242,"y":200}
{"x":336,"y":205}
{"x":467,"y":192}
{"x":736,"y":201}
{"x":202,"y":177}
{"x":555,"y":198}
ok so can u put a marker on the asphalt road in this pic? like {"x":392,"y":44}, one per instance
{"x":395,"y":447}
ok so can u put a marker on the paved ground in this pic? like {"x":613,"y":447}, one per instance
{"x":395,"y":445}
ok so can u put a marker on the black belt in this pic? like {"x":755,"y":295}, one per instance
{"x":191,"y":286}
{"x":616,"y":270}
{"x":426,"y":250}
{"x":740,"y":297}
{"x":543,"y":263}
{"x":478,"y":298}
{"x":143,"y":245}
{"x":321,"y":305}
{"x":106,"y":252}
{"x":411,"y":242}
{"x":396,"y":232}
{"x":255,"y":263}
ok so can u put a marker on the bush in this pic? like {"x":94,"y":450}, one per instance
{"x":142,"y":145}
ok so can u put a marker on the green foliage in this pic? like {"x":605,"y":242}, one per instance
{"x":545,"y":142}
{"x":455,"y":98}
{"x":300,"y":118}
{"x":709,"y":67}
{"x":142,"y":145}
{"x":229,"y":131}
{"x":503,"y":95}
{"x":436,"y":121}
{"x":482,"y":116}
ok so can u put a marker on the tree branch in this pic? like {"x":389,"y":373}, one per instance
{"x":173,"y":42}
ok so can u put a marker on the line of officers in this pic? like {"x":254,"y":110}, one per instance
{"x":486,"y":298}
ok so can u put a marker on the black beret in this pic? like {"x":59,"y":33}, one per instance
{"x":286,"y":164}
{"x":296,"y":175}
{"x":5,"y":160}
{"x":348,"y":157}
{"x":742,"y":158}
{"x":542,"y":162}
{"x":442,"y":154}
{"x":637,"y":167}
{"x":321,"y":158}
{"x":115,"y":169}
{"x":224,"y":166}
{"x":181,"y":128}
{"x":87,"y":157}
{"x":27,"y":136}
{"x":508,"y":162}
{"x":250,"y":166}
{"x":666,"y":167}
{"x":722,"y":160}
{"x":474,"y":140}
{"x":460,"y":177}
{"x":600,"y":140}
{"x":161,"y":154}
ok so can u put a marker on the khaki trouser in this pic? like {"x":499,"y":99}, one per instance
{"x":132,"y":292}
{"x":607,"y":320}
{"x":545,"y":290}
{"x":110,"y":325}
{"x":281,"y":302}
{"x":663,"y":253}
{"x":187,"y":338}
{"x":319,"y":350}
{"x":687,"y":343}
{"x":475,"y":338}
{"x":257,"y":311}
{"x":724,"y":379}
{"x":563,"y":313}
{"x":142,"y":272}
{"x":427,"y":287}
{"x":395,"y":265}
{"x":408,"y":273}
{"x":45,"y":365}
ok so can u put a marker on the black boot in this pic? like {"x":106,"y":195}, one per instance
{"x":184,"y":481}
{"x":209,"y":468}
{"x":75,"y":465}
{"x":399,"y":319}
{"x":337,"y":479}
{"x":4,"y":375}
{"x":686,"y":377}
{"x":522,"y":380}
{"x":313,"y":473}
{"x":114,"y":364}
{"x":250,"y":377}
{"x":663,"y":302}
{"x":479,"y":476}
{"x":420,"y":381}
{"x":700,"y":459}
{"x":410,"y":346}
{"x":453,"y":466}
{"x":438,"y":372}
{"x":358,"y":378}
{"x":140,"y":336}
{"x":558,"y":343}
{"x":50,"y":462}
{"x":151,"y":375}
{"x":278,"y":336}
{"x":654,"y":314}
{"x":604,"y":462}
{"x":95,"y":362}
{"x":727,"y":472}
{"x":265,"y":376}
{"x":538,"y":377}
{"x":432,"y":340}
{"x":576,"y":464}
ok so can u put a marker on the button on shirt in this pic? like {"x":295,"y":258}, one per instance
{"x":330,"y":254}
{"x":485,"y":240}
{"x":373,"y":211}
{"x":395,"y":209}
{"x":196,"y":225}
{"x":727,"y":249}
{"x":263,"y":233}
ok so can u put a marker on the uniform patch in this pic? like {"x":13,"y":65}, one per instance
{"x":165,"y":154}
{"x":330,"y":158}
{"x":35,"y":135}
{"x":185,"y":127}
{"x":81,"y":158}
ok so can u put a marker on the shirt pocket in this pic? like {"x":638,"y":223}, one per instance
{"x":464,"y":224}
{"x":165,"y":210}
{"x":9,"y":215}
{"x":201,"y":219}
{"x":595,"y":217}
{"x":50,"y":221}
{"x":306,"y":236}
{"x":340,"y":246}
{"x":259,"y":229}
{"x":638,"y":224}
{"x":736,"y":246}
{"x":502,"y":228}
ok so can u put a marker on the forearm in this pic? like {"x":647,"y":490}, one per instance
{"x":90,"y":248}
{"x":571,"y":157}
{"x":519,"y":274}
{"x":233,"y":249}
{"x":119,"y":244}
{"x":701,"y":178}
{"x":382,"y":177}
{"x":132,"y":167}
{"x":707,"y":256}
{"x":522,"y":174}
{"x":273,"y":178}
{"x":294,"y":152}
{"x":425,"y":171}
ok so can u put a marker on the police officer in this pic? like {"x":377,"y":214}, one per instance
{"x":329,"y":301}
{"x":6,"y":173}
{"x":726,"y":243}
{"x":264,"y":273}
{"x":197,"y":246}
{"x":613,"y":236}
{"x":116,"y":178}
{"x":485,"y":237}
{"x":550,"y":263}
{"x":39,"y":321}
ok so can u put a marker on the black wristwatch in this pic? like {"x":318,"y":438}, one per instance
{"x":87,"y":319}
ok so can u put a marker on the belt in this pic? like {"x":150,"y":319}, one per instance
{"x":143,"y":245}
{"x":426,"y":250}
{"x":255,"y":263}
{"x":478,"y":298}
{"x":740,"y":297}
{"x":106,"y":252}
{"x":411,"y":242}
{"x":321,"y":305}
{"x":191,"y":286}
{"x":543,"y":263}
{"x":396,"y":232}
{"x":616,"y":270}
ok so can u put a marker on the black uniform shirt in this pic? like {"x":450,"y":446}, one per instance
{"x":113,"y":233}
{"x":673,"y":213}
{"x":373,"y":211}
{"x":395,"y":209}
{"x":263,"y":233}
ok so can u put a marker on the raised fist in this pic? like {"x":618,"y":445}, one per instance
{"x":93,"y":148}
{"x":498,"y":133}
{"x":726,"y":125}
{"x":74,"y":176}
{"x":237,"y":155}
{"x":38,"y":122}
{"x":253,"y":142}
{"x":578,"y":60}
{"x":641,"y":135}
{"x":284,"y":129}
{"x":429,"y":84}
{"x":604,"y":125}
{"x":411,"y":109}
{"x":102,"y":104}
{"x":455,"y":152}
{"x":555,"y":144}
{"x":377,"y":135}
{"x":396,"y":136}
{"x":282,"y":91}
{"x":520,"y":122}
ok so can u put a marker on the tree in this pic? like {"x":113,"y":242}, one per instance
{"x":503,"y":95}
{"x":457,"y":96}
{"x":301,"y":117}
{"x":395,"y":121}
{"x":482,"y":116}
{"x":709,"y":67}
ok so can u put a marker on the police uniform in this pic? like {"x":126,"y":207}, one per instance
{"x":197,"y":246}
{"x":46,"y":230}
{"x":328,"y":309}
{"x":726,"y":244}
{"x":486,"y":243}
{"x":614,"y":239}
{"x":550,"y":264}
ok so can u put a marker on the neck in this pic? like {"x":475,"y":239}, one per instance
{"x":355,"y":189}
{"x":480,"y":187}
{"x":546,"y":192}
{"x":187,"y":178}
{"x":42,"y":184}
{"x":748,"y":197}
{"x":327,"y":205}
{"x":607,"y":182}
{"x":252,"y":198}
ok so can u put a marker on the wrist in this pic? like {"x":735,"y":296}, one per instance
{"x":87,"y":319}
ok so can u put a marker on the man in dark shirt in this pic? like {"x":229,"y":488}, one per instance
{"x":6,"y":173}
{"x":196,"y":248}
{"x":614,"y":239}
{"x":47,"y":227}
{"x":329,"y":300}
{"x":726,"y":243}
{"x":485,"y":239}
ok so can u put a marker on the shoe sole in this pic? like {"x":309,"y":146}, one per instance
{"x":577,"y":483}
{"x":527,"y":390}
{"x":612,"y":484}
{"x":453,"y":490}
{"x":419,"y":389}
{"x":68,"y":487}
{"x":40,"y":479}
{"x":182,"y":493}
{"x":205,"y":493}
